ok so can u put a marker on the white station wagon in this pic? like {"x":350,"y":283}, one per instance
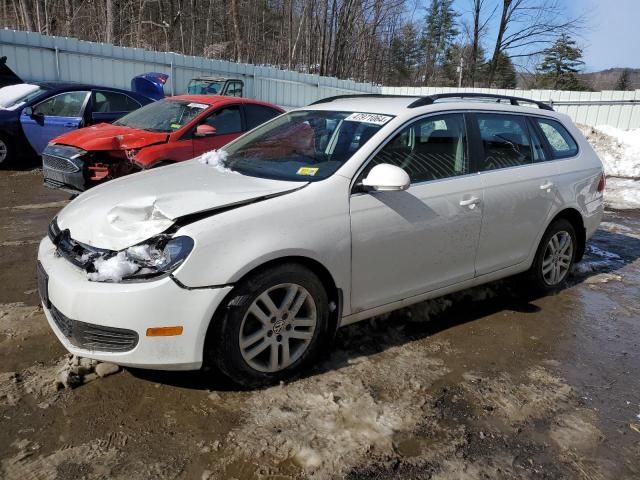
{"x":354,"y":206}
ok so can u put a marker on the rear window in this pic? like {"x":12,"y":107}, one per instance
{"x":560,"y":140}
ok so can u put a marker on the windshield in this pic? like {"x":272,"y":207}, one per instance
{"x":303,"y":145}
{"x":13,"y":96}
{"x":205,"y":87}
{"x":163,"y":116}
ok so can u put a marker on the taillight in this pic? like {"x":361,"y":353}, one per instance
{"x":602,"y":183}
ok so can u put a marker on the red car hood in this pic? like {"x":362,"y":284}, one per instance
{"x":106,"y":136}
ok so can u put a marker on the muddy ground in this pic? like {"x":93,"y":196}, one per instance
{"x":487,"y":384}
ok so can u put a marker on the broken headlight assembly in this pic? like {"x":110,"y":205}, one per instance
{"x":152,"y":258}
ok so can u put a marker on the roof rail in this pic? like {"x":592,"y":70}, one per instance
{"x":360,"y":95}
{"x":431,"y":99}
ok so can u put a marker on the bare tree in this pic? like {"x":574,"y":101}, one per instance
{"x":526,"y":27}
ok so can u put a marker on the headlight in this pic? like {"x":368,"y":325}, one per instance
{"x":154,"y":257}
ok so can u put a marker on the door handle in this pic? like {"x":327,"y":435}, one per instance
{"x":70,"y":125}
{"x":546,"y":186}
{"x":470,"y":202}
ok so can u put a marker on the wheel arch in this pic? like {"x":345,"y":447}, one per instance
{"x":574,"y":217}
{"x":334,"y":293}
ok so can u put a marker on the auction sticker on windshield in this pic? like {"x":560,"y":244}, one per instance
{"x":308,"y":170}
{"x":201,"y":106}
{"x":372,"y":118}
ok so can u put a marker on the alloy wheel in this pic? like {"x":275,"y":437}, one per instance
{"x":557,"y":258}
{"x":278,"y":327}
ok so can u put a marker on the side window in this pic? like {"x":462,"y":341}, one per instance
{"x":561,"y":142}
{"x":429,"y":149}
{"x":106,"y":102}
{"x":226,"y":120}
{"x":505,"y":139}
{"x":68,"y":104}
{"x":234,"y":89}
{"x":258,"y":114}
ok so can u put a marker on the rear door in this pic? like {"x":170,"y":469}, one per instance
{"x":227,"y":121}
{"x":518,"y":189}
{"x":53,"y":117}
{"x":410,"y":242}
{"x":109,"y":106}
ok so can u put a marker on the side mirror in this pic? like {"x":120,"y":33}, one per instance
{"x":205,"y":131}
{"x":29,"y":111}
{"x":387,"y":178}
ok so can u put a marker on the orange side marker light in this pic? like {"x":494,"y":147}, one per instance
{"x":164,"y":331}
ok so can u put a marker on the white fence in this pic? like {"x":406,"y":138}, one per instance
{"x":614,"y":108}
{"x":39,"y":57}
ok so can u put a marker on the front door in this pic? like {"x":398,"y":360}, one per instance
{"x":425,"y":238}
{"x":228,"y":124}
{"x":51,"y":118}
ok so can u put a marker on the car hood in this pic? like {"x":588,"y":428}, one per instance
{"x":128,"y":210}
{"x":106,"y":136}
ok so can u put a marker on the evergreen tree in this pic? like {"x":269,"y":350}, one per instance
{"x":505,"y":75}
{"x":560,"y":64}
{"x":623,"y":81}
{"x":438,"y":36}
{"x":404,"y":55}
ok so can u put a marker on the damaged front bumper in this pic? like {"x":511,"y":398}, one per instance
{"x":83,"y":314}
{"x":63,"y":168}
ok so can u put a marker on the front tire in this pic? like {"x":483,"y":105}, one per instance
{"x":555,"y":257}
{"x":6,"y":151}
{"x":274,"y":324}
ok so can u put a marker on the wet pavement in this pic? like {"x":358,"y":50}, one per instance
{"x":488,"y":383}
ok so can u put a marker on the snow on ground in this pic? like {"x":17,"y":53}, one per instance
{"x":619,"y":150}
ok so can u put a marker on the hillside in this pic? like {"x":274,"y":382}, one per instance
{"x":602,"y":80}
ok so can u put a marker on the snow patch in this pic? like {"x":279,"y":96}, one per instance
{"x":327,"y":423}
{"x":618,"y":149}
{"x":598,"y":252}
{"x":622,"y":193}
{"x":215,"y":159}
{"x":9,"y":95}
{"x":112,"y":269}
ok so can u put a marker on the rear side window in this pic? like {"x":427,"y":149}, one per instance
{"x":432,"y":148}
{"x":107,"y":102}
{"x":505,"y":139}
{"x":226,"y":120}
{"x":258,"y":114}
{"x":560,"y":140}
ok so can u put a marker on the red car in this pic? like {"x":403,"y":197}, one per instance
{"x":170,"y":130}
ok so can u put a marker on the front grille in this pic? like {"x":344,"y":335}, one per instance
{"x":60,"y":164}
{"x":89,"y":336}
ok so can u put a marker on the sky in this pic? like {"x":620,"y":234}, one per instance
{"x":610,"y":38}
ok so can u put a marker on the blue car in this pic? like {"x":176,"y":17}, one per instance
{"x":31,"y":114}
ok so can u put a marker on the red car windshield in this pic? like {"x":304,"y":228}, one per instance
{"x":163,"y":116}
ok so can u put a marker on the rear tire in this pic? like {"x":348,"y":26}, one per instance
{"x":554,"y":258}
{"x":274,"y":324}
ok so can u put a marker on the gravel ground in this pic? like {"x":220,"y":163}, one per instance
{"x":489,"y":383}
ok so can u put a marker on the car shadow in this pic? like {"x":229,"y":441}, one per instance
{"x":607,"y":253}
